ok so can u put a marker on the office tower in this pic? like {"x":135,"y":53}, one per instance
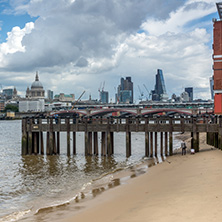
{"x":8,"y":93}
{"x":159,"y":93}
{"x":50,"y":94}
{"x":189,"y":90}
{"x":104,"y":96}
{"x":125,"y":91}
{"x":217,"y":61}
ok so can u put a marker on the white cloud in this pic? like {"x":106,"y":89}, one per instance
{"x":191,"y":11}
{"x":14,"y":42}
{"x":77,"y":44}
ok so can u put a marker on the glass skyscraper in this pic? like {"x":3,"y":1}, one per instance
{"x":159,"y":93}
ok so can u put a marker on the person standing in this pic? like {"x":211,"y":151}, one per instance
{"x":183,"y":146}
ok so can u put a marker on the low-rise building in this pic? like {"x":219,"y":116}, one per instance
{"x":64,"y":97}
{"x":32,"y":105}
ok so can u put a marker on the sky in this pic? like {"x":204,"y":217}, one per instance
{"x":78,"y":45}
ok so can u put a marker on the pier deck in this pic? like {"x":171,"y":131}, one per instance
{"x":33,"y":129}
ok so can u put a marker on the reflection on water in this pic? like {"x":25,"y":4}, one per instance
{"x":39,"y":182}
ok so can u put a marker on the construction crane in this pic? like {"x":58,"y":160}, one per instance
{"x":78,"y":100}
{"x":149,"y":93}
{"x":141,"y":94}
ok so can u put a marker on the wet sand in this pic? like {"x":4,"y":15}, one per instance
{"x":183,"y":188}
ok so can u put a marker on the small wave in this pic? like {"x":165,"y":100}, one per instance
{"x":15,"y":216}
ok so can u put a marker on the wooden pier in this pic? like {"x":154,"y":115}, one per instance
{"x":34,"y":128}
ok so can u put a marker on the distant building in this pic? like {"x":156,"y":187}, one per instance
{"x":159,"y":93}
{"x":64,"y":97}
{"x":125,"y":91}
{"x":50,"y":94}
{"x":32,"y":105}
{"x":189,"y":90}
{"x":2,"y":105}
{"x":9,"y":93}
{"x":36,"y":91}
{"x":185,"y":97}
{"x":104,"y":97}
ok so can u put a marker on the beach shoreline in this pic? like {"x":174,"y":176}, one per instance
{"x":181,"y":188}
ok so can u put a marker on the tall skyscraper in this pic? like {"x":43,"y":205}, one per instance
{"x":159,"y":93}
{"x":104,"y":96}
{"x":50,"y":94}
{"x":125,"y":91}
{"x":217,"y":59}
{"x":189,"y":90}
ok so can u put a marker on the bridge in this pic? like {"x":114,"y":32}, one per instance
{"x":121,"y":112}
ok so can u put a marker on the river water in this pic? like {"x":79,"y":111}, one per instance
{"x":32,"y":186}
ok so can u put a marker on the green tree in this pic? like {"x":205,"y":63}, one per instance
{"x":10,"y":107}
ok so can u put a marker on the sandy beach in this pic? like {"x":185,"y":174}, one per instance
{"x":182,"y":188}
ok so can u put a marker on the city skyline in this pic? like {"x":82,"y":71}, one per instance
{"x":175,"y":36}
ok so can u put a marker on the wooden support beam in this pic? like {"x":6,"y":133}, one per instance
{"x":24,"y":137}
{"x":86,"y":144}
{"x":151,"y":144}
{"x":42,"y":143}
{"x":128,"y":144}
{"x":171,"y":138}
{"x":95,"y":143}
{"x":109,"y":148}
{"x":58,"y":142}
{"x":47,"y":144}
{"x":128,"y":139}
{"x":68,"y":136}
{"x":155,"y":144}
{"x":74,"y":143}
{"x":51,"y":136}
{"x":30,"y":137}
{"x":166,"y":144}
{"x":171,"y":143}
{"x":54,"y":143}
{"x":147,"y":144}
{"x":161,"y":143}
{"x":112,"y":142}
{"x":35,"y":143}
{"x":90,"y":143}
{"x":103,"y":145}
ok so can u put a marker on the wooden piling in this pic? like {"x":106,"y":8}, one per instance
{"x":156,"y":144}
{"x":58,"y":142}
{"x":30,"y":136}
{"x":147,"y":145}
{"x":54,"y":143}
{"x":74,"y":143}
{"x":128,"y":139}
{"x":68,"y":136}
{"x":24,"y":137}
{"x":112,"y":142}
{"x":90,"y":143}
{"x":103,"y":145}
{"x":151,"y":144}
{"x":95,"y":143}
{"x":161,"y":143}
{"x":166,"y":144}
{"x":42,"y":143}
{"x":35,"y":143}
{"x":51,"y":136}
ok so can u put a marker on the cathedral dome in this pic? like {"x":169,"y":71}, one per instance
{"x":37,"y":84}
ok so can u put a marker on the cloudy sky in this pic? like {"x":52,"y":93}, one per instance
{"x":76,"y":45}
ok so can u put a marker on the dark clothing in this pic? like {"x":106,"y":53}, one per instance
{"x":183,"y":146}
